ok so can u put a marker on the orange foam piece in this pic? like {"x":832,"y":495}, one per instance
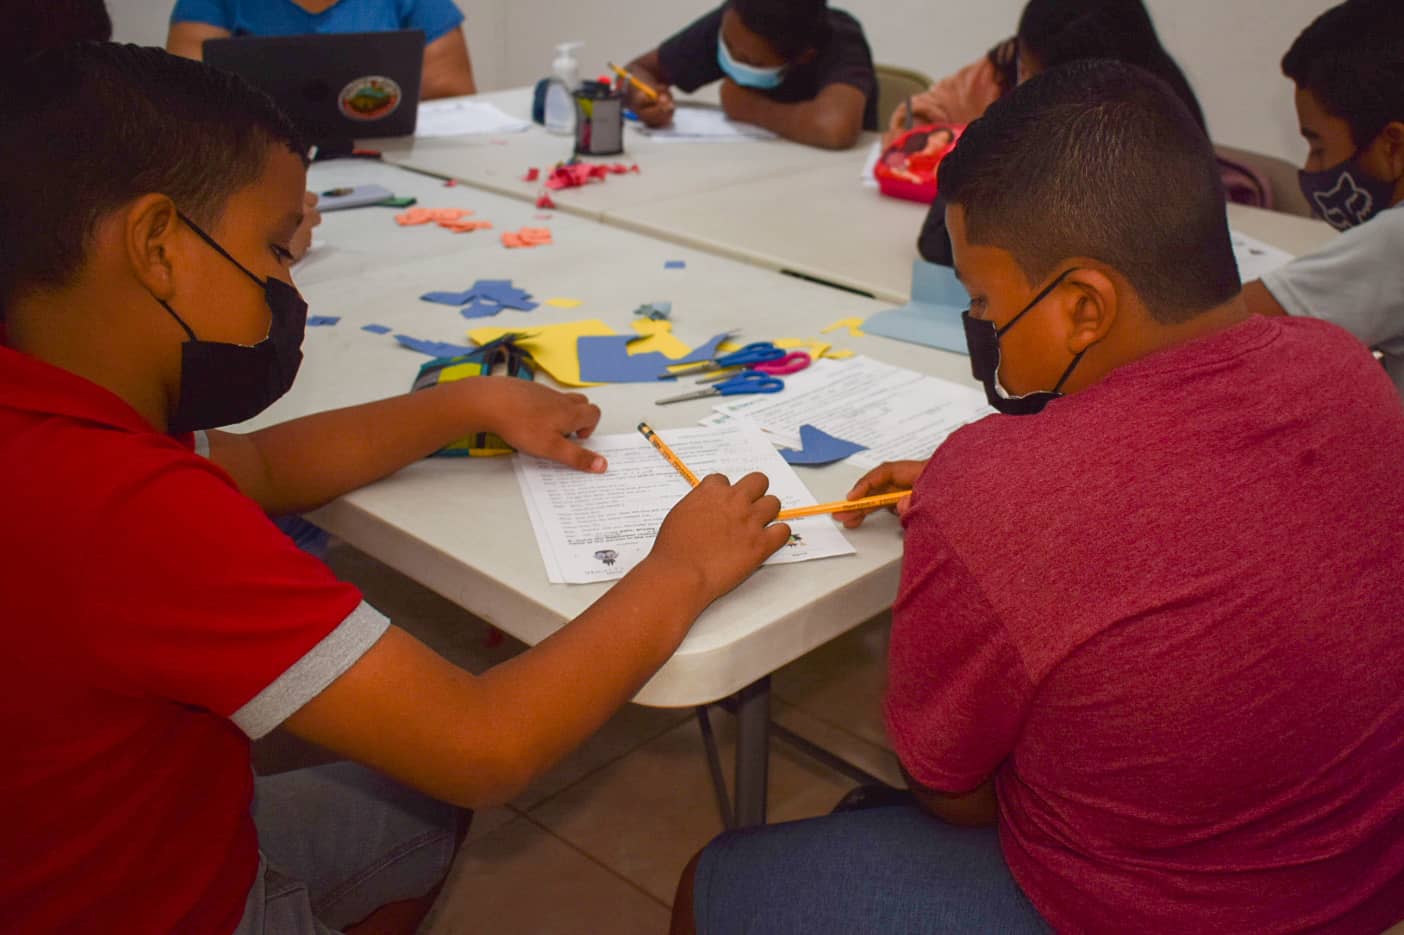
{"x":414,"y":216}
{"x":527,"y":237}
{"x":466,"y":227}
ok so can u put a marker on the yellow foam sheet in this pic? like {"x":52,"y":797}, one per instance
{"x":563,"y":303}
{"x":852,"y":325}
{"x":657,"y":336}
{"x":551,"y":346}
{"x":554,"y":349}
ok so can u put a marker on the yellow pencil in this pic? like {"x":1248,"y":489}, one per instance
{"x":628,"y":76}
{"x":647,"y":431}
{"x":844,"y":506}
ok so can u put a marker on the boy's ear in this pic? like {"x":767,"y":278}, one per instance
{"x":1391,"y":141}
{"x":149,"y":231}
{"x":805,"y":57}
{"x":1092,"y":305}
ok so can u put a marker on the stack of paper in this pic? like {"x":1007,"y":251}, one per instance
{"x":896,"y":414}
{"x":595,"y":527}
{"x":704,"y":124}
{"x":463,"y":116}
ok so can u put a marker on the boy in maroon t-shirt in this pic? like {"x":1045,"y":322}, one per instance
{"x":1145,"y":670}
{"x":154,"y":620}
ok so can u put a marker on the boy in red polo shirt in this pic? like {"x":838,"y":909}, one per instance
{"x":1145,"y":665}
{"x":154,"y":619}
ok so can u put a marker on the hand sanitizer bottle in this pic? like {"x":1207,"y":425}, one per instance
{"x":559,"y":106}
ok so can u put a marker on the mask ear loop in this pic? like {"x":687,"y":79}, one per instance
{"x":180,"y":321}
{"x":999,"y":332}
{"x":1067,"y":373}
{"x":218,"y":249}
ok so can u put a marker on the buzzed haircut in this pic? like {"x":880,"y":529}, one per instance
{"x":89,"y":128}
{"x":1100,"y":160}
{"x":793,"y":27}
{"x":1351,"y":59}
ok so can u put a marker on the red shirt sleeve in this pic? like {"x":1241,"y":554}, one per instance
{"x":958,"y":691}
{"x":190,"y":593}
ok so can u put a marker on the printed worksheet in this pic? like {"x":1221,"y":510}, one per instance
{"x":595,"y":527}
{"x":463,"y":116}
{"x":897,"y":414}
{"x":704,"y":124}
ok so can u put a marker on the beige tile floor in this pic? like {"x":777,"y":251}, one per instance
{"x":597,"y":844}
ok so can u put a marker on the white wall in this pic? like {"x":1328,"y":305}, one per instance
{"x":1230,"y":49}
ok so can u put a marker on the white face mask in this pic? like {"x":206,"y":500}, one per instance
{"x":748,"y":76}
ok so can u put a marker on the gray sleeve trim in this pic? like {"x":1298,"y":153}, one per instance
{"x":202,"y":444}
{"x":305,"y":679}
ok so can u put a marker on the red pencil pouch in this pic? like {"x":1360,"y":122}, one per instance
{"x":907,"y":168}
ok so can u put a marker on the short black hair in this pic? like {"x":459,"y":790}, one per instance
{"x":91,"y":127}
{"x":1351,"y":58}
{"x":1102,"y":160}
{"x":1056,"y":32}
{"x":31,"y":26}
{"x":793,"y":27}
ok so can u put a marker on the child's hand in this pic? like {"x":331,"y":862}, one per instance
{"x":536,"y":419}
{"x":720,"y":532}
{"x":653,"y":113}
{"x":889,"y":476}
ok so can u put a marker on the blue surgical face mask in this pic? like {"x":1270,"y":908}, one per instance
{"x":1345,"y":195}
{"x":748,"y":76}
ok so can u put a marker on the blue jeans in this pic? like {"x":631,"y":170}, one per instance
{"x":307,"y":537}
{"x":886,"y":871}
{"x":338,"y":841}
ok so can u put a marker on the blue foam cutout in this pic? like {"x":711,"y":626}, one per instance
{"x":818,"y":447}
{"x":480,"y":308}
{"x":499,"y":292}
{"x":503,"y":293}
{"x":491,"y":284}
{"x":675,"y":264}
{"x":704,"y":351}
{"x":932,"y":318}
{"x":606,"y":359}
{"x":448,"y":298}
{"x":377,"y":329}
{"x":432,"y":348}
{"x":317,"y":321}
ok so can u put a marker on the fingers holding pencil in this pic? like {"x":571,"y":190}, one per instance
{"x":888,"y":478}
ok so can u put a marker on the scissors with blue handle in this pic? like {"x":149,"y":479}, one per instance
{"x":793,"y":362}
{"x":742,"y":384}
{"x":758,"y":353}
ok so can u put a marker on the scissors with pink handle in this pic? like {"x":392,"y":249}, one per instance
{"x":793,"y":362}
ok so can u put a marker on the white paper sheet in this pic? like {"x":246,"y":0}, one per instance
{"x":869,"y":164}
{"x":704,"y":125}
{"x":595,"y":527}
{"x":463,"y":116}
{"x":898,"y":414}
{"x":1255,"y":257}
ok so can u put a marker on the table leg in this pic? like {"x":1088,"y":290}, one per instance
{"x":714,"y":766}
{"x":752,"y":752}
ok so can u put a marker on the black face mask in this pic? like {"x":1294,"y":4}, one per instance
{"x":224,"y":384}
{"x":982,"y":339}
{"x":1345,"y":195}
